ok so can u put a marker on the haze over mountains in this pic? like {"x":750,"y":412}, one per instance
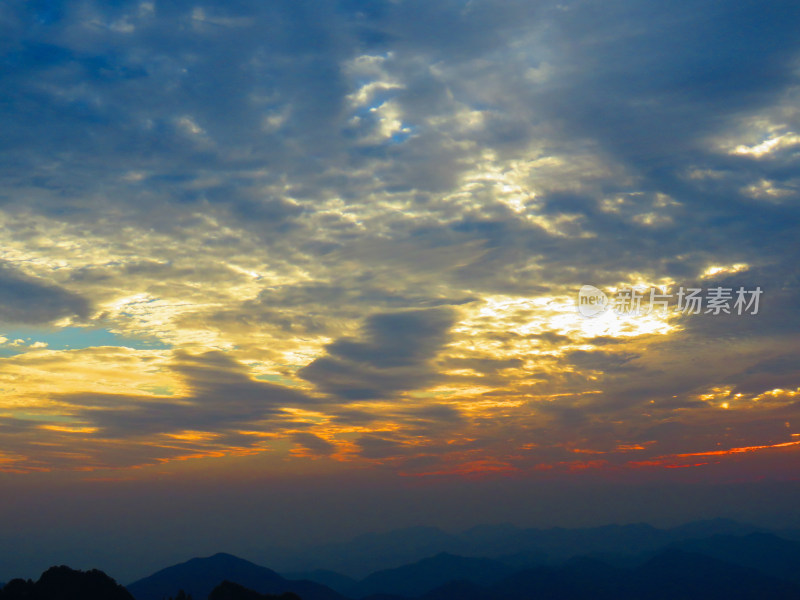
{"x":516,"y":546}
{"x":708,"y":560}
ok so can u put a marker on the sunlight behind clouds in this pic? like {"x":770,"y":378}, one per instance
{"x":357,"y":236}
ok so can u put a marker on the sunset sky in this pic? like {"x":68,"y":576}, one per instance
{"x":292,"y":248}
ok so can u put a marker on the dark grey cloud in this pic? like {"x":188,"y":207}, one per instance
{"x":212,"y":104}
{"x":314,"y":443}
{"x":375,"y":446}
{"x":10,"y":426}
{"x":397,"y":339}
{"x":394,"y":354}
{"x":305,"y":308}
{"x":222,"y":398}
{"x":599,"y":360}
{"x":781,"y":371}
{"x":26,"y":299}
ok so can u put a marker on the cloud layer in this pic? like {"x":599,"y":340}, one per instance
{"x":354,"y":234}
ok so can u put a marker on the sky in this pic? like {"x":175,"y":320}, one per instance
{"x":306,"y":269}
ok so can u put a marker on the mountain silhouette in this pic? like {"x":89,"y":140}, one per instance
{"x":418,"y":578}
{"x":678,"y":574}
{"x":228,"y":590}
{"x":766,"y":552}
{"x":63,"y":583}
{"x":199,"y":576}
{"x":371,"y":552}
{"x":722,"y":566}
{"x":669,"y":575}
{"x":347,"y":586}
{"x":559,"y":544}
{"x":709,"y":527}
{"x":463,"y":590}
{"x":515,"y":546}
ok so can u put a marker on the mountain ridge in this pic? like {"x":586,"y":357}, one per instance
{"x":721,"y":566}
{"x":362,"y":555}
{"x":199,"y":576}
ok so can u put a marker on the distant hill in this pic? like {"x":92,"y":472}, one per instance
{"x":370,"y":552}
{"x":717,"y":567}
{"x":63,"y":583}
{"x":511,"y":544}
{"x":347,"y":586}
{"x":710,"y":527}
{"x":418,"y":578}
{"x":516,"y":546}
{"x":766,"y":552}
{"x":678,"y":574}
{"x":233,"y":591}
{"x":669,"y":575}
{"x":200,"y":576}
{"x":789,"y":534}
{"x":463,"y":590}
{"x":767,"y":558}
{"x":530,"y":561}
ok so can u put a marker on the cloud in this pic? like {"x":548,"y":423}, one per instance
{"x":222,"y":397}
{"x":373,"y":446}
{"x":392,"y":206}
{"x":26,"y":299}
{"x":314,"y":443}
{"x":394,"y":355}
{"x":598,"y":360}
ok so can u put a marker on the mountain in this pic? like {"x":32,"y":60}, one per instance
{"x":718,"y":566}
{"x":578,"y":579}
{"x":370,"y":552}
{"x":63,"y":583}
{"x":233,"y":591}
{"x":676,"y":574}
{"x":199,"y":576}
{"x":669,"y":575}
{"x":489,"y":555}
{"x":515,"y":546}
{"x":347,"y":586}
{"x":559,"y":544}
{"x":790,"y":534}
{"x":463,"y":590}
{"x":766,"y":552}
{"x":709,"y":527}
{"x":418,"y":578}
